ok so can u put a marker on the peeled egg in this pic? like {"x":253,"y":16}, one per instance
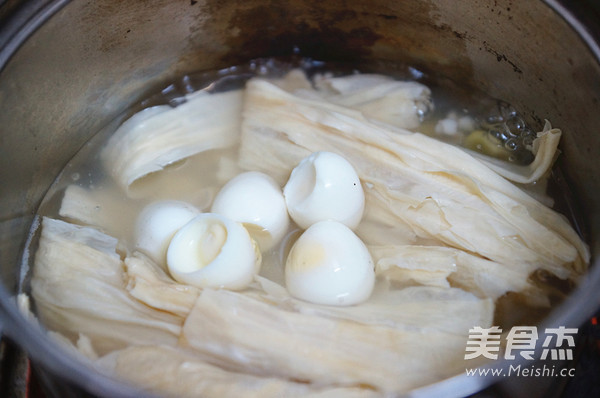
{"x":256,"y":200}
{"x":324,"y":186}
{"x":156,"y":225}
{"x":329,"y":264}
{"x":213,"y":251}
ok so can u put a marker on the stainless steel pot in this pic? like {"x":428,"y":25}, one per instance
{"x":66,"y":69}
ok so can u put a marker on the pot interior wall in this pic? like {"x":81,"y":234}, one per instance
{"x":94,"y":59}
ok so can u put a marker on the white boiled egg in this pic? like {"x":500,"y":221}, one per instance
{"x":156,"y":225}
{"x":213,"y":251}
{"x":330,"y":265}
{"x":324,"y":186}
{"x":255,"y":199}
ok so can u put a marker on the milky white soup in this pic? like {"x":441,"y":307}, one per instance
{"x":283,"y":230}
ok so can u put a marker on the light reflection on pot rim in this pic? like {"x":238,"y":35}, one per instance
{"x":23,"y":23}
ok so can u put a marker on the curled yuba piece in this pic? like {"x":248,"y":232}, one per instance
{"x":329,"y":264}
{"x":213,"y":251}
{"x":161,"y":135}
{"x":255,"y":200}
{"x":324,"y":186}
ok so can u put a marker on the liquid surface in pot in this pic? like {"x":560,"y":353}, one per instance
{"x":454,"y":244}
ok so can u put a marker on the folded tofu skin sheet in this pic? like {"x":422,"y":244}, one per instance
{"x":451,"y":232}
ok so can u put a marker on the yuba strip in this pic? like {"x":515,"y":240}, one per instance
{"x":79,"y":287}
{"x":443,"y":193}
{"x":249,"y":335}
{"x":159,"y":136}
{"x":171,"y":371}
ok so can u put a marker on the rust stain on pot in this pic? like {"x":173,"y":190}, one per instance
{"x":279,"y":29}
{"x":384,"y":36}
{"x":501,"y":57}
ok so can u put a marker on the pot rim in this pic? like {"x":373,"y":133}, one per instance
{"x":19,"y":26}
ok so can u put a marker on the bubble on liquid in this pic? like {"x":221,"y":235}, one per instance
{"x":499,"y":132}
{"x":512,"y":134}
{"x":527,"y":141}
{"x":75,"y":176}
{"x":507,"y":128}
{"x":495,"y":133}
{"x":511,"y":144}
{"x":515,"y":125}
{"x":506,"y":110}
{"x":527,"y":133}
{"x":494,"y":119}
